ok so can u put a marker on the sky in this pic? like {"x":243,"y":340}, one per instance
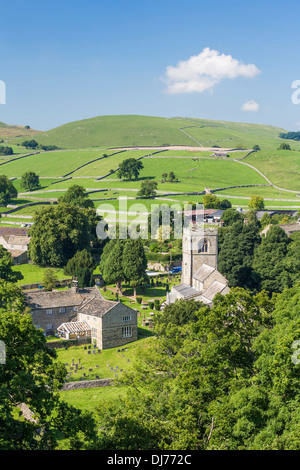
{"x":63,"y":61}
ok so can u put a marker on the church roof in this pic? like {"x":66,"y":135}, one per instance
{"x":215,"y":288}
{"x":203,"y":272}
{"x":185,"y":291}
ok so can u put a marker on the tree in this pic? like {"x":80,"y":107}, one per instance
{"x":30,"y":376}
{"x":256,"y":203}
{"x":50,"y":279}
{"x":82,"y":259}
{"x":225,"y":204}
{"x":82,"y":267}
{"x":265,"y":220}
{"x":230,"y":216}
{"x":59,"y":231}
{"x":76,"y":195}
{"x":30,"y":181}
{"x":4,"y":150}
{"x":269,"y":261}
{"x":6,"y":264}
{"x":148,"y":189}
{"x":130,"y":168}
{"x":30,"y":144}
{"x":256,"y":147}
{"x":284,"y":146}
{"x":237,"y":253}
{"x":211,"y":201}
{"x":111,"y":263}
{"x":7,"y":191}
{"x":134,"y":263}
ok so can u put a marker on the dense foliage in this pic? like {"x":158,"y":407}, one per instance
{"x":59,"y":231}
{"x":30,"y":378}
{"x":224,"y":379}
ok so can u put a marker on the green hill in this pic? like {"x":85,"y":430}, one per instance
{"x":133,"y":131}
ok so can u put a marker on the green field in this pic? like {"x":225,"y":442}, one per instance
{"x":87,"y":140}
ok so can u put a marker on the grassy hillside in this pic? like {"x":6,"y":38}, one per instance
{"x":131,"y":130}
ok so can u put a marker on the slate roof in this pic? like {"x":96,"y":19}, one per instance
{"x":17,"y":231}
{"x":56,"y":299}
{"x":215,"y":288}
{"x":97,"y":307}
{"x":203,"y":272}
{"x":187,"y":292}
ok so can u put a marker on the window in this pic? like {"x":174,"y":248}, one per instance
{"x":49,"y":311}
{"x":94,"y":332}
{"x":75,"y":308}
{"x":126,"y":331}
{"x":203,"y":245}
{"x":49,"y":326}
{"x":127,"y":318}
{"x":62,"y":310}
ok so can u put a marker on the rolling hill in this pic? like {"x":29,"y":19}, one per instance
{"x":134,"y":131}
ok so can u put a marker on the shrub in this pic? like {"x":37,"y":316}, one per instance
{"x":139,"y":300}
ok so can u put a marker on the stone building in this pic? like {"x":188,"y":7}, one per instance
{"x":109,"y":324}
{"x":16,"y":241}
{"x":200,"y":279}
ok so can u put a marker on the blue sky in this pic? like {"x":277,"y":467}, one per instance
{"x":71,"y":60}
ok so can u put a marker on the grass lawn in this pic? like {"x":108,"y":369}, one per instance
{"x":88,"y":399}
{"x":34,"y":274}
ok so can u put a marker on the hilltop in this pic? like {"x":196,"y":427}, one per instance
{"x":134,"y":131}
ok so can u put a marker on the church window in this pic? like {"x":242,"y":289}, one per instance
{"x":203,"y":246}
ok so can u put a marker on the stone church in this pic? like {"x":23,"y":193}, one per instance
{"x":200,"y":279}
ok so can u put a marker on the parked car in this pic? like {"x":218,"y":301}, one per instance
{"x":175,"y":270}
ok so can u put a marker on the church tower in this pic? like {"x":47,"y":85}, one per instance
{"x":198,"y":247}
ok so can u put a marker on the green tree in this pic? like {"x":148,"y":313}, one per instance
{"x":134,"y":263}
{"x":265,"y":220}
{"x":211,"y":201}
{"x":269,"y":261}
{"x":59,"y":231}
{"x":30,"y":181}
{"x":76,"y":195}
{"x":130,"y":168}
{"x":31,"y":376}
{"x":32,"y":144}
{"x":230,"y":216}
{"x":148,"y":188}
{"x":111,"y":263}
{"x":237,"y":254}
{"x":284,"y":146}
{"x":81,"y":259}
{"x":50,"y":279}
{"x":256,"y":203}
{"x":6,"y":264}
{"x":7,"y":191}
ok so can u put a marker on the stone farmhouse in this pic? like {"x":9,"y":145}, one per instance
{"x":83,"y":312}
{"x":201,"y":279}
{"x":288,"y":228}
{"x":16,"y":241}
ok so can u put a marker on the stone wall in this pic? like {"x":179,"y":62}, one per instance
{"x":87,"y":384}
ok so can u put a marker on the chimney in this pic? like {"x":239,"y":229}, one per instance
{"x":75,"y":284}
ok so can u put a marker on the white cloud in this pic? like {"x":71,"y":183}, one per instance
{"x":250,"y":105}
{"x":205,"y":70}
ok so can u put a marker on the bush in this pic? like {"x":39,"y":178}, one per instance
{"x":157,"y":304}
{"x":139,"y":300}
{"x":151,"y":305}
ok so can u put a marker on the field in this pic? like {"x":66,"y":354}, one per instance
{"x":271,"y":173}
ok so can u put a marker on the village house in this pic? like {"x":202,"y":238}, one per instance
{"x":16,"y":241}
{"x":83,"y":312}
